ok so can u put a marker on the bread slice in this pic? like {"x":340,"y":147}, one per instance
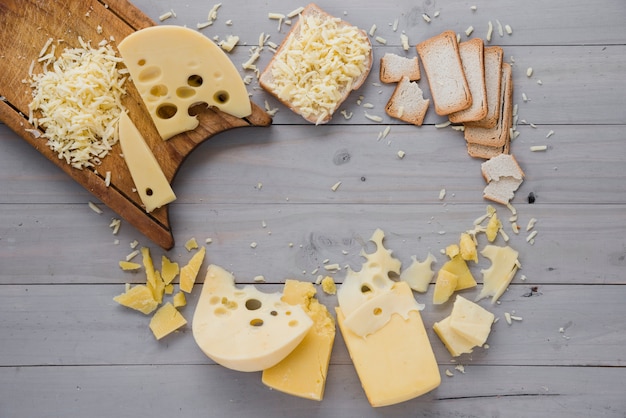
{"x":473,"y":59}
{"x":485,"y":152}
{"x":407,"y":102}
{"x":500,"y":134}
{"x":444,"y":70}
{"x":504,"y":176}
{"x":493,"y":57}
{"x":393,"y":67}
{"x":309,"y":76}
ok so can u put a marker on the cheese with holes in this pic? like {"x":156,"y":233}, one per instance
{"x":396,"y":363}
{"x":502,"y":270}
{"x":371,"y":280}
{"x":152,"y":186}
{"x":175,"y":68}
{"x":166,"y":320}
{"x":245,"y":329}
{"x":419,"y":274}
{"x":303,"y":372}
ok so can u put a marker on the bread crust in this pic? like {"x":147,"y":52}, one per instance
{"x":448,"y":85}
{"x":266,"y":78}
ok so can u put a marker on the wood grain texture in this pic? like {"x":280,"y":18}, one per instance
{"x":63,"y":338}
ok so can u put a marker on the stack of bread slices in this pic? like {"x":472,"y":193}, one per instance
{"x":471,"y":85}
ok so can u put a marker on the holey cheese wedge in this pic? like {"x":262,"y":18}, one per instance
{"x":396,"y":363}
{"x":245,"y":329}
{"x":175,"y":68}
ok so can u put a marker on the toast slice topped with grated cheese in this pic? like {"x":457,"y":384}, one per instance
{"x":311,"y":76}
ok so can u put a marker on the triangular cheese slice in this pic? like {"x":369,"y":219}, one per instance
{"x":175,"y":68}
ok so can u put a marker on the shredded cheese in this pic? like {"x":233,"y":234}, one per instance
{"x":78,"y":102}
{"x":316,"y":66}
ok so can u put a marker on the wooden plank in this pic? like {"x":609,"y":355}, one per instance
{"x":193,"y":389}
{"x":302,"y":163}
{"x":575,"y":243}
{"x":561,"y":326}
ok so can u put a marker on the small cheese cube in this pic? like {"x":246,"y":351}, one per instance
{"x":471,"y":321}
{"x":454,"y":342}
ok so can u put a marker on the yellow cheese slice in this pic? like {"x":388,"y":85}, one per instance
{"x":502,"y":270}
{"x":471,"y":321}
{"x":175,"y":68}
{"x":150,"y":182}
{"x":303,"y":372}
{"x":166,"y":320}
{"x":179,"y":300}
{"x":129,"y":265}
{"x":377,"y":312}
{"x":139,"y":298}
{"x":396,"y":363}
{"x":245,"y":329}
{"x":454,"y":342}
{"x":169,"y":270}
{"x":189,"y":272}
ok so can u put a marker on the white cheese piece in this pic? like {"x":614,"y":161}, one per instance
{"x":471,"y":321}
{"x":419,"y":274}
{"x":502,"y":270}
{"x":245,"y":329}
{"x":175,"y":68}
{"x":152,"y":186}
{"x":372,"y":280}
{"x":376,"y":312}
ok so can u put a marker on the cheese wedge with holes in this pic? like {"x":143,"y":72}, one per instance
{"x":242,"y":328}
{"x":152,"y":186}
{"x":303,"y":372}
{"x":396,"y":363}
{"x":175,"y":68}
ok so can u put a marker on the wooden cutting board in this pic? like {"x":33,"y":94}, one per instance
{"x":25,"y":26}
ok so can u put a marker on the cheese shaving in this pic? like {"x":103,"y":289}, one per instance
{"x":78,"y":102}
{"x":319,"y":64}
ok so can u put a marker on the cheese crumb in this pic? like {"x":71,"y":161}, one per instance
{"x":335,"y":186}
{"x":191,"y":244}
{"x":94,"y":207}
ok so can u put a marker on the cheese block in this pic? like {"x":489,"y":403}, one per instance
{"x":396,"y":363}
{"x":242,"y":328}
{"x":371,"y":280}
{"x":455,"y":343}
{"x":303,"y":372}
{"x":166,"y":320}
{"x":458,"y":266}
{"x":502,"y":270}
{"x":150,"y":182}
{"x":175,"y":68}
{"x":471,"y":321}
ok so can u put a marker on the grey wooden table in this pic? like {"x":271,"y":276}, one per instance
{"x":68,"y":350}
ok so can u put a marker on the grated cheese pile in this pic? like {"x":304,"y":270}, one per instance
{"x":78,"y":102}
{"x":315,"y":68}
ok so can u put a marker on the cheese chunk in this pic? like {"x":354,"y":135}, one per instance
{"x":169,"y":270}
{"x":502,"y":270}
{"x":471,"y":321}
{"x":303,"y":372}
{"x":175,"y":68}
{"x":245,"y":329}
{"x":396,"y":363}
{"x":189,"y":272}
{"x":166,"y":320}
{"x":454,"y":342}
{"x":152,"y":186}
{"x":139,"y":298}
{"x":444,"y":286}
{"x":458,"y":266}
{"x":419,"y":274}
